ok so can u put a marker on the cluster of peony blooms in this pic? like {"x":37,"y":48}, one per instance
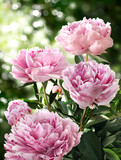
{"x":44,"y":135}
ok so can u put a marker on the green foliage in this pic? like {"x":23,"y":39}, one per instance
{"x":90,"y":147}
{"x":79,"y":58}
{"x":31,"y":23}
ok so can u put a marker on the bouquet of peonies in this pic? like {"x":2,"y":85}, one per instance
{"x":80,"y":118}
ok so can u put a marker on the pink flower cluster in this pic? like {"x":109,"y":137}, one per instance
{"x":38,"y":65}
{"x":17,"y":109}
{"x":90,"y":82}
{"x":42,"y":135}
{"x":91,"y":36}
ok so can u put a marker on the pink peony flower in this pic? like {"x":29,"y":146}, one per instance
{"x":38,"y":65}
{"x":17,"y":109}
{"x":91,"y":36}
{"x":42,"y":135}
{"x":90,"y":82}
{"x":57,"y":89}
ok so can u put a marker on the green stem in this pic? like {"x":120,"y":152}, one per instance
{"x":82,"y":120}
{"x":58,"y":96}
{"x":48,"y":106}
{"x":86,"y":58}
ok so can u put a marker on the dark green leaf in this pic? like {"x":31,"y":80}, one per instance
{"x":69,"y":102}
{"x":111,"y":155}
{"x":66,"y":93}
{"x":110,"y":139}
{"x":99,"y":110}
{"x":90,"y":147}
{"x":61,"y":106}
{"x":113,"y":125}
{"x":117,"y":144}
{"x":55,"y":82}
{"x":45,"y":84}
{"x":26,"y":84}
{"x":36,"y":91}
{"x":78,"y":59}
{"x":33,"y":103}
{"x":112,"y":111}
{"x":96,"y":120}
{"x":99,"y":59}
{"x":52,"y":97}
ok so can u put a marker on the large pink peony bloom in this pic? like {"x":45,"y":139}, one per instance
{"x":17,"y":109}
{"x":90,"y":82}
{"x":91,"y":36}
{"x":42,"y":135}
{"x":38,"y":65}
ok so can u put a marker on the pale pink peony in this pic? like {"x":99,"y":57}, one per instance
{"x":42,"y":135}
{"x":57,"y":89}
{"x":38,"y":65}
{"x":17,"y":109}
{"x":91,"y":36}
{"x":90,"y":82}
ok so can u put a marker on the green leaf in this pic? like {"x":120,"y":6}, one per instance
{"x":99,"y":110}
{"x":113,"y":125}
{"x":61,"y":106}
{"x":45,"y":84}
{"x":78,"y":59}
{"x":36,"y":91}
{"x":26,"y":84}
{"x":99,"y":59}
{"x":110,"y":139}
{"x":52,"y":97}
{"x":66,"y":93}
{"x":33,"y":103}
{"x":117,"y":144}
{"x":69,"y":102}
{"x":112,"y":111}
{"x":96,"y":119}
{"x":90,"y":147}
{"x":111,"y":155}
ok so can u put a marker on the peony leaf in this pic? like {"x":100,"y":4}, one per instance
{"x":66,"y":93}
{"x":99,"y":110}
{"x":52,"y":97}
{"x":78,"y":59}
{"x":26,"y":84}
{"x":36,"y":90}
{"x":111,"y":155}
{"x":98,"y":59}
{"x":110,"y":139}
{"x":33,"y":103}
{"x":113,"y":125}
{"x":62,"y":106}
{"x":90,"y":147}
{"x":96,"y":120}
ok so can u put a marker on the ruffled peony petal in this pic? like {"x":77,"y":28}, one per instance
{"x":90,"y":82}
{"x":42,"y":135}
{"x":38,"y":65}
{"x":90,"y":36}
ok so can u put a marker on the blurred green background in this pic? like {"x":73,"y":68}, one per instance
{"x":35,"y":23}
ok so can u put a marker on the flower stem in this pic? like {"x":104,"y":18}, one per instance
{"x":58,"y":95}
{"x":86,"y":58}
{"x":82,"y":120}
{"x":84,"y":112}
{"x":48,"y":106}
